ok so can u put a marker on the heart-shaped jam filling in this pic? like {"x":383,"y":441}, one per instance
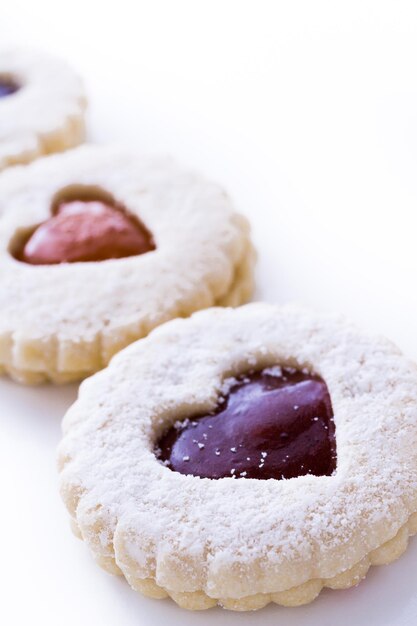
{"x":7,"y":87}
{"x":82,"y":231}
{"x":277,"y":423}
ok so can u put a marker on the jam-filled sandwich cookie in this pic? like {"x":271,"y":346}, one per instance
{"x":99,"y":246}
{"x":245,"y":456}
{"x":42,"y":105}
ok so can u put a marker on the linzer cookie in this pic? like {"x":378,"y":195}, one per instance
{"x":42,"y":106}
{"x":98,"y":247}
{"x":245,"y":456}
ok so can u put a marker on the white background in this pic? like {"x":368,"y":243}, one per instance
{"x":307,"y":113}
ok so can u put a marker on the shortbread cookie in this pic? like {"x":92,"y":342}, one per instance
{"x":42,"y":106}
{"x":99,"y":246}
{"x":245,"y":456}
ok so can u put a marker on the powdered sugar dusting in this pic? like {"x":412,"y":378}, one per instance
{"x":275,"y":370}
{"x":187,"y":532}
{"x":75,"y":316}
{"x":45,"y":116}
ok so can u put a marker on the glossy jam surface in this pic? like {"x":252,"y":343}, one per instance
{"x":277,"y":423}
{"x":82,"y":231}
{"x":7,"y":87}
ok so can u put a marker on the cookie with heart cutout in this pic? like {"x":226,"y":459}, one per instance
{"x":245,"y":456}
{"x":42,"y":106}
{"x":99,"y":246}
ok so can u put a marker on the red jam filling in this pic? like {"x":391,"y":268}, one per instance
{"x":83,"y":231}
{"x":277,"y":423}
{"x":7,"y":87}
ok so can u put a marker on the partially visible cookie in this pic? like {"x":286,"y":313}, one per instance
{"x":245,"y":456}
{"x":99,"y":246}
{"x":42,"y":104}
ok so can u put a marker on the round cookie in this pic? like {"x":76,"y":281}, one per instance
{"x":206,"y":535}
{"x":42,"y":106}
{"x":67,"y":304}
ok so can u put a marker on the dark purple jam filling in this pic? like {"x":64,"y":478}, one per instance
{"x":277,"y":423}
{"x":7,"y":87}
